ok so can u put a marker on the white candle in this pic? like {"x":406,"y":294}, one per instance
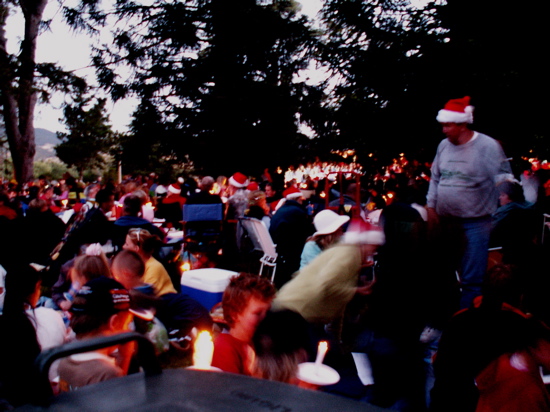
{"x":148,"y":212}
{"x":321,"y":352}
{"x":203,"y":351}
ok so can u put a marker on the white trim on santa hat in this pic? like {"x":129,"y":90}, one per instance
{"x":368,"y":237}
{"x":292,"y":193}
{"x":238,"y":183}
{"x":174,"y":189}
{"x":449,"y":116}
{"x":456,"y":111}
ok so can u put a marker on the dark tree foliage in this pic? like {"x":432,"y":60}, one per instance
{"x":220,"y":76}
{"x":23,"y":81}
{"x":148,"y":147}
{"x":397,"y":76}
{"x":377,"y":48}
{"x":495,"y":54}
{"x":89,"y":138}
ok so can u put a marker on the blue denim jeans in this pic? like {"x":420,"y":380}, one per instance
{"x":477,"y":232}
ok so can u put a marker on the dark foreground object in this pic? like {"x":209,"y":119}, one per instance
{"x":183,"y":389}
{"x":191,"y":390}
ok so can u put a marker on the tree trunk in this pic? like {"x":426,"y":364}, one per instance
{"x":18,"y":94}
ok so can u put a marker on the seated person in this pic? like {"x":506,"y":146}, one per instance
{"x":90,"y":264}
{"x":170,"y":207}
{"x":515,"y":224}
{"x":245,"y":303}
{"x":281,"y":342}
{"x":90,"y":225}
{"x":204,"y":196}
{"x":26,"y":332}
{"x":130,"y":219}
{"x":145,"y":243}
{"x":40,"y":219}
{"x":482,"y":345}
{"x":329,"y":228}
{"x":258,"y":207}
{"x":513,"y":381}
{"x":100,"y":308}
{"x":176,"y":311}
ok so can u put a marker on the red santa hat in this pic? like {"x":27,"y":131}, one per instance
{"x":457,"y":111}
{"x":292,"y":193}
{"x":174,"y":188}
{"x":360,"y":232}
{"x":238,"y":180}
{"x":253,"y":186}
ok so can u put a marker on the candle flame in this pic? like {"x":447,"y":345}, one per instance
{"x":203,"y":351}
{"x":321,"y":352}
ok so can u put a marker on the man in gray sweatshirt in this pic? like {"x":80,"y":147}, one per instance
{"x":463,"y":195}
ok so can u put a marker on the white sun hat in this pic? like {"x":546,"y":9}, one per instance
{"x":327,"y":221}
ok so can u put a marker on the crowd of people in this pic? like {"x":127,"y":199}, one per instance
{"x":432,"y":275}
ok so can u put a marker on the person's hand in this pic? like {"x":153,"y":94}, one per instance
{"x":64,"y":305}
{"x":368,"y":261}
{"x":432,"y":215}
{"x":365,"y":289}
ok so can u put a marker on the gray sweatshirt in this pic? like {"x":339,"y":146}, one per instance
{"x":464,"y":177}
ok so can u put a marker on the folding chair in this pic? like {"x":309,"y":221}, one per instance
{"x":261,"y":240}
{"x":202,"y":224}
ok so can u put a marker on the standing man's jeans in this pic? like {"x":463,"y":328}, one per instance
{"x":464,"y":248}
{"x":477,"y":232}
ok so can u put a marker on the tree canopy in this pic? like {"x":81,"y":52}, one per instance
{"x":23,"y":81}
{"x":220,"y":75}
{"x":89,"y":138}
{"x":221,"y":82}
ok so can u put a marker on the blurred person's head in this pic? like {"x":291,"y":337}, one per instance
{"x":128,"y":268}
{"x":510,"y":191}
{"x":101,"y":307}
{"x":365,"y":235}
{"x":37,"y":206}
{"x":293,"y":193}
{"x":105,"y":199}
{"x":90,"y":265}
{"x":91,"y":191}
{"x":132,"y":205}
{"x":258,"y":198}
{"x":141,"y":241}
{"x":329,"y":227}
{"x":22,"y":286}
{"x":245,"y":303}
{"x":502,"y":285}
{"x":207,"y":183}
{"x":281,"y":343}
{"x":238,"y":181}
{"x":269,"y":190}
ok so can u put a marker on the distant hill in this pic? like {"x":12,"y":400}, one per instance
{"x":45,"y":143}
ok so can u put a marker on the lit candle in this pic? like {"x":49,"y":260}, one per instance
{"x":203,"y":351}
{"x":148,"y":211}
{"x":321,"y":352}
